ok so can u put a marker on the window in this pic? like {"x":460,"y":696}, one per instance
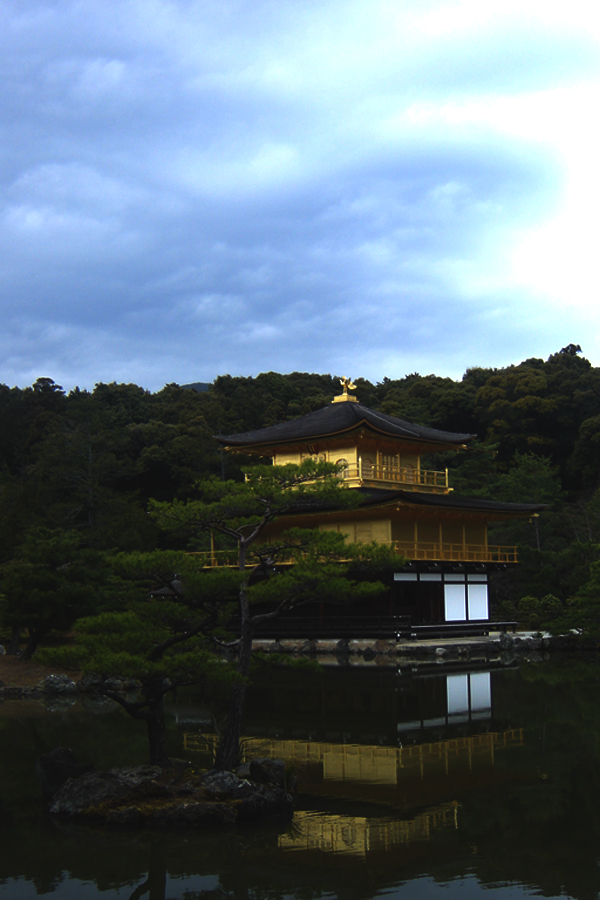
{"x":477,"y":595}
{"x":455,"y":602}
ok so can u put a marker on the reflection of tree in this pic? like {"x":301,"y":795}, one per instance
{"x":543,"y":834}
{"x":215,"y":894}
{"x":220,"y":894}
{"x":545,"y":831}
{"x":155,"y":884}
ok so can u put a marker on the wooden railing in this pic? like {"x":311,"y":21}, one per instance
{"x":413,"y":550}
{"x":404,"y":476}
{"x":456,"y":552}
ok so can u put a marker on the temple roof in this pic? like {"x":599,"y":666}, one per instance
{"x":338,"y":419}
{"x":371,"y":497}
{"x":448,"y":501}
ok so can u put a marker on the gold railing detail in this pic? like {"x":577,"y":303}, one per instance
{"x":456,"y":552}
{"x":406,"y":477}
{"x":397,"y":776}
{"x":369,"y":763}
{"x":413,"y":550}
{"x":358,"y":835}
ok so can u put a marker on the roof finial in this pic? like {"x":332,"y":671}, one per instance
{"x":347,"y":386}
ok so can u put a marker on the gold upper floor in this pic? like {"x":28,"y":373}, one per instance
{"x":365,"y":464}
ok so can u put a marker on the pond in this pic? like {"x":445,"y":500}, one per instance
{"x":419,"y":782}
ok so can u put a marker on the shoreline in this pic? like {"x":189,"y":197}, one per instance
{"x":17,"y":673}
{"x":496,"y":647}
{"x":22,"y":679}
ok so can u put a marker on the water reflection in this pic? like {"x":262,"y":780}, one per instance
{"x":402,"y":777}
{"x":368,"y":706}
{"x":359,"y":835}
{"x":411,"y":785}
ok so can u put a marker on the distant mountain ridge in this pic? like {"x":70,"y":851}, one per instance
{"x":199,"y":386}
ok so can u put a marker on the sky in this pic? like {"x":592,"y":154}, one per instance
{"x":360,"y":187}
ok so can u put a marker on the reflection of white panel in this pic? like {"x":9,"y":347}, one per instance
{"x":429,"y":576}
{"x":454,"y":576}
{"x":455,"y":602}
{"x":404,"y":576}
{"x":481,"y":691}
{"x":457,"y":689}
{"x":475,"y":577}
{"x":478,"y":601}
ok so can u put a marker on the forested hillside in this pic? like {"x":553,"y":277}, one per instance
{"x":86,"y":463}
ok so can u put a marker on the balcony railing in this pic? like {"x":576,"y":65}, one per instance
{"x":413,"y":550}
{"x":407,"y":477}
{"x":456,"y":552}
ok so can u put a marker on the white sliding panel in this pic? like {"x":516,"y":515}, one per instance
{"x":478,"y":601}
{"x":457,"y":692}
{"x":481,"y":691}
{"x":455,"y":602}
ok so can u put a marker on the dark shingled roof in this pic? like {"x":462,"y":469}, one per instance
{"x":378,"y":497}
{"x":449,"y":501}
{"x":338,"y":418}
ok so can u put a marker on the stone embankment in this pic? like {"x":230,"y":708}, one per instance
{"x":60,"y":690}
{"x":178,"y":795}
{"x":496,"y":647}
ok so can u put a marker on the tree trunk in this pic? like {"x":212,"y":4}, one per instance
{"x":156,"y":882}
{"x":32,"y":643}
{"x":537,"y":534}
{"x":157,"y":733}
{"x":15,"y":640}
{"x":228,"y":752}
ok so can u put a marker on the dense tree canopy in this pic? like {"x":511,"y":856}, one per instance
{"x":89,"y":462}
{"x":50,"y":583}
{"x":169,"y":630}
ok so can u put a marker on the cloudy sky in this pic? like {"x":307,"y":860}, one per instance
{"x":362,"y":187}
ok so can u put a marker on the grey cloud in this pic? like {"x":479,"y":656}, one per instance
{"x":192,"y":188}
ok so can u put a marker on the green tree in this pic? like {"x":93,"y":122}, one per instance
{"x":582,"y":613}
{"x":242,"y":512}
{"x":180,"y":614}
{"x":49,"y":584}
{"x":163,"y":637}
{"x":530,"y":479}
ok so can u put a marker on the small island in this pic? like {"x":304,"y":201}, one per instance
{"x":179,"y":795}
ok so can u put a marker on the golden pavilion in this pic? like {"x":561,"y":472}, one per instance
{"x":443,"y":538}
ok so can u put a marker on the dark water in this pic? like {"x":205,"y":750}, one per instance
{"x":414,"y":784}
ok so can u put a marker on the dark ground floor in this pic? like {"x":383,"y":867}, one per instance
{"x":445,"y":593}
{"x":421,"y":597}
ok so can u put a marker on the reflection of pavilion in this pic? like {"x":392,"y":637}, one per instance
{"x":433,"y":740}
{"x":407,"y":779}
{"x":363,"y":764}
{"x":468,"y":699}
{"x":427,"y":741}
{"x":359,"y":836}
{"x":388,"y":708}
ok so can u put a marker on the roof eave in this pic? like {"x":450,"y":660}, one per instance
{"x":256,"y":447}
